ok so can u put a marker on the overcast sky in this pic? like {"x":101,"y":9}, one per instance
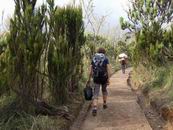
{"x":113,"y":8}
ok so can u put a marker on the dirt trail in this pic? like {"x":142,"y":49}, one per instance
{"x":123,"y":112}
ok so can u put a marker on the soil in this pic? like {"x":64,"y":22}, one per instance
{"x":123,"y":112}
{"x":154,"y":118}
{"x":150,"y":108}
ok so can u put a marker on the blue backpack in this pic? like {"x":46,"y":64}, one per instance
{"x":99,"y":66}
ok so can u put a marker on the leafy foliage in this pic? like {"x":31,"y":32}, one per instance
{"x":144,"y":13}
{"x":64,"y":56}
{"x":92,"y":43}
{"x":4,"y":66}
{"x":26,"y":44}
{"x":146,"y":20}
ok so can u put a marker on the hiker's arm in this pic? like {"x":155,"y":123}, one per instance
{"x":109,"y":71}
{"x":90,"y":73}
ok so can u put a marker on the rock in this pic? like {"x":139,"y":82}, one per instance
{"x":167,"y":113}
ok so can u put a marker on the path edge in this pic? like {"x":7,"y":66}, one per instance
{"x":149,"y":110}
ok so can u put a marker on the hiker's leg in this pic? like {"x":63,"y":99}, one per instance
{"x":105,"y":94}
{"x":95,"y":99}
{"x":123,"y":68}
{"x":96,"y":94}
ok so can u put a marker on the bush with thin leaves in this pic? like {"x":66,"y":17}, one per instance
{"x":64,"y":56}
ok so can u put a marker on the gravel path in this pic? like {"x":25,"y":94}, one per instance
{"x":123,"y":112}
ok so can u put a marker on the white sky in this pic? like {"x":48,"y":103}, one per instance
{"x":113,"y":8}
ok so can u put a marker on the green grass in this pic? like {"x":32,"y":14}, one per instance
{"x":158,"y":82}
{"x":12,"y":118}
{"x":24,"y":121}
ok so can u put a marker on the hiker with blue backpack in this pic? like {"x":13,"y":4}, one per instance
{"x":100,"y":72}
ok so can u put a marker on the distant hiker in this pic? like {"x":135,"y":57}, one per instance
{"x":100,"y":72}
{"x":123,"y":61}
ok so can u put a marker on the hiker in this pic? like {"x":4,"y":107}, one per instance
{"x":123,"y":61}
{"x":100,"y":72}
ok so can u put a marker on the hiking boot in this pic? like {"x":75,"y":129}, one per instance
{"x":94,"y":112}
{"x":105,"y":106}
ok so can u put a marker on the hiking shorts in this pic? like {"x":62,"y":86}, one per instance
{"x":97,"y":90}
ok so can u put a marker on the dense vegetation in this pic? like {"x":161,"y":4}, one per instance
{"x":45,"y":56}
{"x":44,"y":61}
{"x":41,"y":64}
{"x":64,"y":55}
{"x":152,"y":49}
{"x":147,"y":19}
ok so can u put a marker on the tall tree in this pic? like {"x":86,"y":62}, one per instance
{"x":146,"y":18}
{"x":65,"y":57}
{"x":26,"y":44}
{"x":144,"y":13}
{"x":4,"y":56}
